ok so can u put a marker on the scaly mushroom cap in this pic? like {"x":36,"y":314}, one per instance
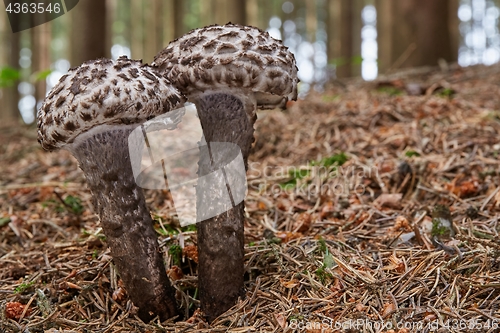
{"x":232,"y":58}
{"x":103,"y":92}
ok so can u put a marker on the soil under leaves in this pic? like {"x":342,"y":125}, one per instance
{"x":371,"y":206}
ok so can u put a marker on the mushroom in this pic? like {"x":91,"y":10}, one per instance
{"x":227,"y":72}
{"x":91,"y":112}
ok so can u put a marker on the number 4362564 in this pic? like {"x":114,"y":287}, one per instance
{"x":33,"y":8}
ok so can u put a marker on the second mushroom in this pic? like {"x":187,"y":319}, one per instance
{"x":91,"y":112}
{"x":227,"y":72}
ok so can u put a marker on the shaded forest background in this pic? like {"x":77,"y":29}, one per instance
{"x":332,"y":39}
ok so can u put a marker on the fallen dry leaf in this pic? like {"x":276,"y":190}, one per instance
{"x":289,"y":284}
{"x":280,"y":319}
{"x":389,"y":200}
{"x":175,"y":273}
{"x":14,"y":310}
{"x":191,"y":251}
{"x":287,"y":236}
{"x":388,"y":309}
{"x":303,"y":222}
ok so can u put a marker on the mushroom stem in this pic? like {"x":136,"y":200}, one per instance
{"x":221,"y":238}
{"x":104,"y":158}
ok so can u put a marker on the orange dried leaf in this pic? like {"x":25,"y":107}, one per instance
{"x":389,"y":200}
{"x":289,"y":284}
{"x":303,"y":222}
{"x":401,"y":223}
{"x":327,"y":209}
{"x":119,"y":294}
{"x":287,"y":236}
{"x":280,"y":319}
{"x":14,"y":310}
{"x":191,"y":251}
{"x":360,"y":307}
{"x":388,"y":309}
{"x":284,"y":204}
{"x":175,"y":273}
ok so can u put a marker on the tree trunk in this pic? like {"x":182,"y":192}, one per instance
{"x":252,"y":12}
{"x":311,"y":21}
{"x":136,"y":22}
{"x":179,"y":26}
{"x":9,"y":56}
{"x":88,"y":32}
{"x":153,"y":38}
{"x":413,"y":33}
{"x":344,"y":36}
{"x":237,"y":12}
{"x":40,"y":59}
{"x":453,"y":24}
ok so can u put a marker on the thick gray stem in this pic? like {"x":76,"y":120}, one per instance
{"x":221,"y":238}
{"x":127,"y":224}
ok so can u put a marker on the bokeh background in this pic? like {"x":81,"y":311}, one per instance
{"x":331,"y":39}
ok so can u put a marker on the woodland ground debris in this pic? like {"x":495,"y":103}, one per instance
{"x":378,"y":264}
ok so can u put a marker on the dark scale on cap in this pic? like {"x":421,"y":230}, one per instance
{"x":59,"y":101}
{"x":134,"y":72}
{"x":150,"y":76}
{"x":101,"y":92}
{"x":124,"y":77}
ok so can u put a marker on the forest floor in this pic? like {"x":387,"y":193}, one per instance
{"x":371,"y":207}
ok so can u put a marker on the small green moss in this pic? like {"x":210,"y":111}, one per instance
{"x":391,"y":91}
{"x":295,"y":175}
{"x":175,"y":252}
{"x":322,"y":245}
{"x":337,"y":159}
{"x":23,"y":287}
{"x":446,"y":92}
{"x":191,"y":227}
{"x":437,"y":228}
{"x":74,"y":204}
{"x":295,"y":318}
{"x":411,"y":153}
{"x":322,"y":274}
{"x":4,"y":221}
{"x":330,"y":98}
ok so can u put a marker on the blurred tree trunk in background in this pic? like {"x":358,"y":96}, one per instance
{"x":252,"y":12}
{"x":172,"y":21}
{"x":311,"y":21}
{"x":88,"y":32}
{"x":9,"y":56}
{"x":178,"y":19}
{"x":414,"y":33}
{"x":225,"y":11}
{"x":344,"y":36}
{"x":40,"y":59}
{"x":206,"y":12}
{"x":453,"y":26}
{"x":111,"y":18}
{"x":153,"y":23}
{"x":137,"y":29}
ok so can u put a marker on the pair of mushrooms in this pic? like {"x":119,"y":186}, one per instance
{"x":227,"y":72}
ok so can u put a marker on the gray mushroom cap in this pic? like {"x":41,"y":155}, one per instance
{"x":103,"y":92}
{"x":239,"y":59}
